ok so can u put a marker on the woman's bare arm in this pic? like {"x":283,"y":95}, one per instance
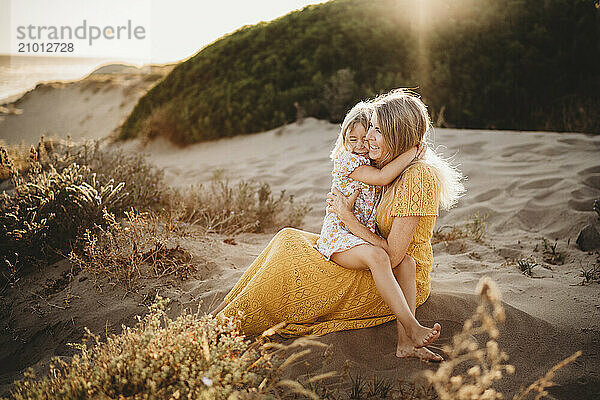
{"x":401,"y":233}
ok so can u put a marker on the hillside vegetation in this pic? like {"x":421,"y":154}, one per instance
{"x":502,"y":64}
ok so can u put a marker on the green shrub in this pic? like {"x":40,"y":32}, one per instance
{"x":143,"y":182}
{"x":499,"y":64}
{"x":44,"y":213}
{"x":189,"y":357}
{"x":65,"y":190}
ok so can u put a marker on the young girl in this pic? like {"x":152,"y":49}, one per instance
{"x":352,"y":171}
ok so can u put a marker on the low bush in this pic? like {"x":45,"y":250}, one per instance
{"x":189,"y":357}
{"x":42,"y":215}
{"x":64,"y":190}
{"x":143,"y":182}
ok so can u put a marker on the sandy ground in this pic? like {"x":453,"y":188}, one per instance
{"x":530,"y":186}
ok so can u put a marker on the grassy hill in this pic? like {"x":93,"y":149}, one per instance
{"x":504,"y":64}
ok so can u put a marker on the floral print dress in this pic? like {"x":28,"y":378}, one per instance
{"x":334,"y":236}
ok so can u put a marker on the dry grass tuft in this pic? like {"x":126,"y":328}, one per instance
{"x":475,"y":229}
{"x":550,"y":252}
{"x":142,"y":245}
{"x":591,"y":274}
{"x":526,"y":266}
{"x":222,"y":207}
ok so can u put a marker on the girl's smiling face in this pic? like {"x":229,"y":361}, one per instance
{"x":377,"y":146}
{"x":356,"y":141}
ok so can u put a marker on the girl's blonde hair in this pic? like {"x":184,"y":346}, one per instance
{"x":404,"y":123}
{"x":359,"y":114}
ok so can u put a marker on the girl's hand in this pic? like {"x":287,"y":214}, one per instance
{"x":341,"y":205}
{"x":421,"y":150}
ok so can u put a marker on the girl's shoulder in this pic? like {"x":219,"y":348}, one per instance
{"x":348,"y":158}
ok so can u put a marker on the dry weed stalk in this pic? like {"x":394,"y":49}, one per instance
{"x":539,"y":386}
{"x":488,"y":364}
{"x":485,"y":365}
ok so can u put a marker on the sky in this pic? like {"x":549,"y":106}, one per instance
{"x":139,"y":31}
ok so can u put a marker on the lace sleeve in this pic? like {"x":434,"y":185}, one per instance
{"x":416,"y":193}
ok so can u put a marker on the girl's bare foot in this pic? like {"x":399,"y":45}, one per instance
{"x":423,"y":336}
{"x":218,"y":309}
{"x":422,"y":353}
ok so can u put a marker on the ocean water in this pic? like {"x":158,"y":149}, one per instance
{"x":18,"y":74}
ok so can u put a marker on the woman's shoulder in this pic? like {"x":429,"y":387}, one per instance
{"x":416,"y":192}
{"x":420,"y":167}
{"x":419,"y":171}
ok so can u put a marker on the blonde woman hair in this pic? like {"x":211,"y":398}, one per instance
{"x":404,"y":123}
{"x":359,"y":114}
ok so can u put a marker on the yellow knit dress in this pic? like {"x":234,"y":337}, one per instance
{"x":292,"y":282}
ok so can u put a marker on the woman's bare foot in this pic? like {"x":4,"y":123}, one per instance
{"x":422,"y":353}
{"x":423,"y":336}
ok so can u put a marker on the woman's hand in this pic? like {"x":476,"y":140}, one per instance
{"x":341,"y":205}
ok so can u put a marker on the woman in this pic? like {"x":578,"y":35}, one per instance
{"x":292,"y":282}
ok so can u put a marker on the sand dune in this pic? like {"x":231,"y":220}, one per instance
{"x":90,"y":108}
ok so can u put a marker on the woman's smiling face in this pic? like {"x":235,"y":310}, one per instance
{"x":377,"y":147}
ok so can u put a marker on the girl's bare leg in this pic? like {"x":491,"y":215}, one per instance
{"x":377,"y":261}
{"x":406,"y":276}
